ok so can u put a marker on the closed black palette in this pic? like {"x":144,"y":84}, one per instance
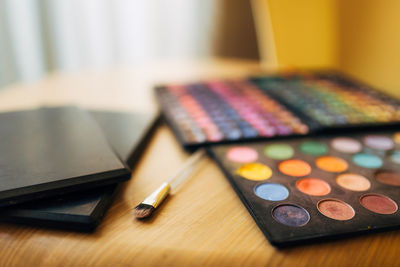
{"x":78,"y":211}
{"x":272,"y":106}
{"x":52,"y":151}
{"x":317,"y":188}
{"x":128,"y":134}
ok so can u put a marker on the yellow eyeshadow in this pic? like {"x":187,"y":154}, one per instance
{"x":255,"y":171}
{"x":396,"y":138}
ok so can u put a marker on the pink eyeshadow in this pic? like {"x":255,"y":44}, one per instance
{"x":242,"y":154}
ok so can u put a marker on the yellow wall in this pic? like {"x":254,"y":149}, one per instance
{"x":359,"y":37}
{"x":304,"y":32}
{"x":370,"y":42}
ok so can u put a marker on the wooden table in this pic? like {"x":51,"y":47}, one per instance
{"x":203,"y":224}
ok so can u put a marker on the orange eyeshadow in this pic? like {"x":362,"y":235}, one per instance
{"x":396,"y":138}
{"x":313,"y":186}
{"x":295,"y":167}
{"x":331,"y":164}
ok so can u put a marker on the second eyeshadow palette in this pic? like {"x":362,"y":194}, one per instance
{"x":272,"y":106}
{"x":309,"y":189}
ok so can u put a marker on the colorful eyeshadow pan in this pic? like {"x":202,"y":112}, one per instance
{"x":336,"y":209}
{"x":279,"y":151}
{"x":395,"y":157}
{"x":388,"y":177}
{"x":378,"y":142}
{"x":367,"y":161}
{"x":313,"y":148}
{"x":346,"y":145}
{"x":331,"y":164}
{"x":353,"y":182}
{"x":242,"y":154}
{"x":311,"y":188}
{"x":291,"y":215}
{"x":255,"y":171}
{"x":264,"y":107}
{"x":378,"y":204}
{"x":295,"y":167}
{"x":271,"y":192}
{"x":396,"y":138}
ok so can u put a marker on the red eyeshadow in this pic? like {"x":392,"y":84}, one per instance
{"x":379,"y":204}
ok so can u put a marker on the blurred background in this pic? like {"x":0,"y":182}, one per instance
{"x":38,"y":36}
{"x":359,"y":37}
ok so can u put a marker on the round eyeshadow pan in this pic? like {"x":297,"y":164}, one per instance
{"x":388,"y":177}
{"x":294,"y":167}
{"x":346,"y":145}
{"x":313,"y":186}
{"x":378,"y":203}
{"x":291,"y":215}
{"x":331,"y":164}
{"x":271,"y":191}
{"x":242,"y":154}
{"x":395,"y":157}
{"x":336,"y":209}
{"x":279,"y":151}
{"x":353,"y":182}
{"x":367,"y":160}
{"x":313,"y":148}
{"x":255,"y":171}
{"x":396,"y":138}
{"x":378,"y":142}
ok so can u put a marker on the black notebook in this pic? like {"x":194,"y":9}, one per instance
{"x":52,"y":151}
{"x":128,"y":134}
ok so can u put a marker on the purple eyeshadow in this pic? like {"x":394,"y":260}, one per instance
{"x":291,"y":215}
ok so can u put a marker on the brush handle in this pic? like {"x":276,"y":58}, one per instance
{"x":184,"y":172}
{"x":155,"y":198}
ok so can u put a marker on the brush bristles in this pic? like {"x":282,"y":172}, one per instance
{"x":143,"y":211}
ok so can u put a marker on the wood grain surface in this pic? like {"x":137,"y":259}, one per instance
{"x":203,"y":224}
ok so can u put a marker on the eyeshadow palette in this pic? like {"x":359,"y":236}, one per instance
{"x":331,"y":100}
{"x":309,"y":189}
{"x":259,"y":108}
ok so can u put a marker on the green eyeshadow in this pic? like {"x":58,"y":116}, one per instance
{"x":279,"y":151}
{"x":313,"y":148}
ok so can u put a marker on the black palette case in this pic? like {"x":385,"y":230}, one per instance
{"x":51,"y":151}
{"x":128,"y":134}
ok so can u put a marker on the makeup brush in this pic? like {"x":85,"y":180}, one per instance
{"x":147,"y":207}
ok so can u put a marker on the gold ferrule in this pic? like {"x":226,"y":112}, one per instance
{"x":155,"y":198}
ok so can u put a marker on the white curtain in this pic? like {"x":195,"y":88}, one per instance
{"x":37,"y":36}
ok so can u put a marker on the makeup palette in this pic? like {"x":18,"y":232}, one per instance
{"x":331,"y":100}
{"x":267,"y":107}
{"x":319,"y":187}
